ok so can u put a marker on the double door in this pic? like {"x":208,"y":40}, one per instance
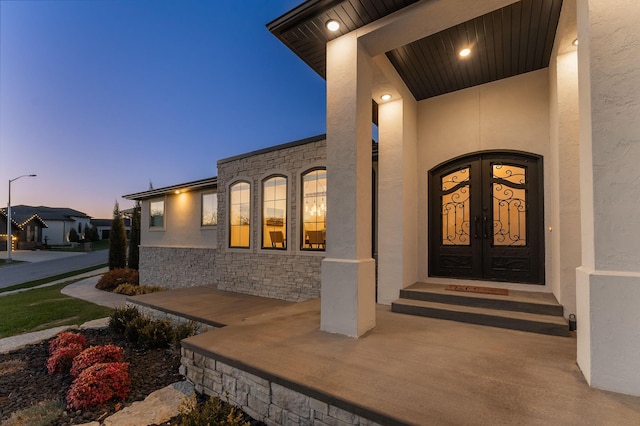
{"x":486,"y":218}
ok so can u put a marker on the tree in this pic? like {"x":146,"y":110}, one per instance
{"x":134,"y":243}
{"x":94,"y":235}
{"x":73,"y":236}
{"x":87,"y":233}
{"x":117,"y":241}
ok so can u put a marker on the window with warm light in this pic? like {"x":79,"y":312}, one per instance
{"x":274,"y":212}
{"x":239,"y":214}
{"x":156,"y":214}
{"x":209,"y":209}
{"x":314,"y":210}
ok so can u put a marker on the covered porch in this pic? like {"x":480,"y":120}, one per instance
{"x":274,"y":362}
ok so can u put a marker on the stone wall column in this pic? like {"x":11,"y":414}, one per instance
{"x":608,"y":281}
{"x":348,"y":270}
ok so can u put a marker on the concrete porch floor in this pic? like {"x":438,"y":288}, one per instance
{"x":408,"y":369}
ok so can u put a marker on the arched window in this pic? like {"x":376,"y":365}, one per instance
{"x":239,"y":214}
{"x":314,"y":210}
{"x":274,"y":212}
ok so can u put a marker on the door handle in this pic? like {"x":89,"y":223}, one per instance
{"x":476,"y":226}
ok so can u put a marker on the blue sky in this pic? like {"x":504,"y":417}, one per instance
{"x":99,"y":97}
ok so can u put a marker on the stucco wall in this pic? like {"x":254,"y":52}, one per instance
{"x":182,"y":215}
{"x":564,"y":161}
{"x":507,"y":114}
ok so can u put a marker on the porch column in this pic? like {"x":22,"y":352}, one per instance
{"x":348,"y":271}
{"x":608,"y":281}
{"x":397,"y":197}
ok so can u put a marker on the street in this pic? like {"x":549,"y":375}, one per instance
{"x":57,"y":263}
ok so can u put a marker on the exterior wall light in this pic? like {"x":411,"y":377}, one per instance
{"x":332,"y":25}
{"x":575,"y":42}
{"x":385,"y":97}
{"x":465,"y":52}
{"x":177,"y":191}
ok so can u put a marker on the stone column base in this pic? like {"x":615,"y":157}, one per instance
{"x":348,"y":296}
{"x":608,"y":329}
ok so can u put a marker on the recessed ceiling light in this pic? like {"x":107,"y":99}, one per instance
{"x":465,"y":52}
{"x":332,"y":25}
{"x":575,"y":42}
{"x":385,"y":97}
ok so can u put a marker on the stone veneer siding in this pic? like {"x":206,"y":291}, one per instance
{"x":287,"y":277}
{"x":175,"y":267}
{"x":290,"y":274}
{"x":266,"y":400}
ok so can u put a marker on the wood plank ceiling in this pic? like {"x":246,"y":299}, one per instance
{"x":509,"y":41}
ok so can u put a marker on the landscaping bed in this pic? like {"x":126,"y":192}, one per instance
{"x":24,"y":380}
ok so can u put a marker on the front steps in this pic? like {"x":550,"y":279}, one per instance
{"x":520,"y":310}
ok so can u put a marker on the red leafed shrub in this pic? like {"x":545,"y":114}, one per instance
{"x":96,"y":355}
{"x":98,"y":384}
{"x":64,"y":339}
{"x":62,"y":357}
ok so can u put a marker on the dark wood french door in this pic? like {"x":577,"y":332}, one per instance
{"x":486,"y":218}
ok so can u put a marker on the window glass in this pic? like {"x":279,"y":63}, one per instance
{"x":239,"y":214}
{"x":156,"y":214}
{"x":274,"y":212}
{"x":209,"y":209}
{"x":314,"y":210}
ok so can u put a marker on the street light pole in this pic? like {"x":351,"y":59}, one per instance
{"x":9,"y":237}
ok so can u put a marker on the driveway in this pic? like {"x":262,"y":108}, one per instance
{"x":43,"y":264}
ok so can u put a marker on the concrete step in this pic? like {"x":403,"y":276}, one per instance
{"x":518,"y":301}
{"x":536,"y":323}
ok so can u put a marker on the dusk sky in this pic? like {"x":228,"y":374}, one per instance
{"x":100,"y":97}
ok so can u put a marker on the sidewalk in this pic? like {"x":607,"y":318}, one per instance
{"x":89,"y":274}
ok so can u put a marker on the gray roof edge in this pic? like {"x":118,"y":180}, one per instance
{"x":211,"y":182}
{"x":299,"y":142}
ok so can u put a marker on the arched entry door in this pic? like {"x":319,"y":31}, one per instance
{"x":486,"y":218}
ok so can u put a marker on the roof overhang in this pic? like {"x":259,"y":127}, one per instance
{"x":507,"y":38}
{"x":208,"y":183}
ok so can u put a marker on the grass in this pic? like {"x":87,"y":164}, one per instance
{"x":35,"y":283}
{"x":42,"y":414}
{"x":43,"y":308}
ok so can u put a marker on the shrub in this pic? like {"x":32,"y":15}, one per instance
{"x":135,"y":290}
{"x":99,"y":384}
{"x":61,"y":359}
{"x":96,"y":355}
{"x":184,"y":330}
{"x":115,"y":277}
{"x":64,"y":339}
{"x":157,"y":334}
{"x":133,"y":330}
{"x":211,"y":412}
{"x":121,"y":317}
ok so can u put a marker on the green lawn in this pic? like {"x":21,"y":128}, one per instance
{"x":44,"y":308}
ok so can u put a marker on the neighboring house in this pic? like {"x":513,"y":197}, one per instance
{"x":501,"y":168}
{"x":16,"y":229}
{"x":59,"y":221}
{"x":104,"y":226}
